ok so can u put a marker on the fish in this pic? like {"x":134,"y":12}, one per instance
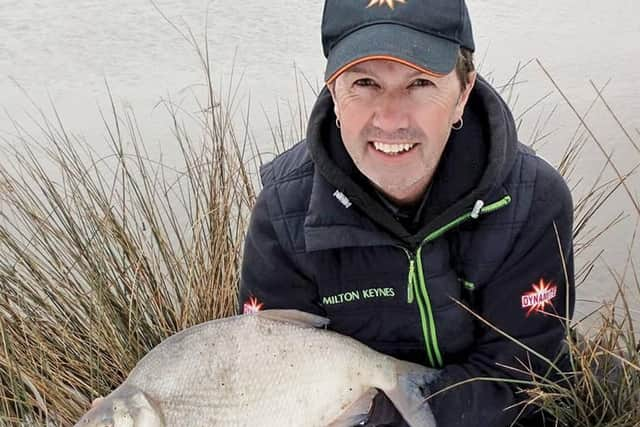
{"x":271,"y":368}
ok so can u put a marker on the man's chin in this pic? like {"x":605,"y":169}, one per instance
{"x":401,"y":193}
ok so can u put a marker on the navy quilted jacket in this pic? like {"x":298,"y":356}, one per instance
{"x":495,"y":235}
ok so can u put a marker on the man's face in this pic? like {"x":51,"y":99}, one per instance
{"x":395,"y":122}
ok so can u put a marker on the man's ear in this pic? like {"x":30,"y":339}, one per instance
{"x":464,"y":96}
{"x":332,"y":89}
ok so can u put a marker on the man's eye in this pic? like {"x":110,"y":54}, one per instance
{"x":364,"y":82}
{"x":422,"y":82}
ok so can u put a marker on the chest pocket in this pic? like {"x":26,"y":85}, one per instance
{"x":365,"y":295}
{"x":454,"y":325}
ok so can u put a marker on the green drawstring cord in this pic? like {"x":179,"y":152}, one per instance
{"x":411,"y":280}
{"x":470,"y":286}
{"x":416,"y":283}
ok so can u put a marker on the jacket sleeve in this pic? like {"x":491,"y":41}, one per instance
{"x":269,"y":275}
{"x":535,"y":262}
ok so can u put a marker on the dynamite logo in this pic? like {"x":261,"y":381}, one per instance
{"x":252,"y":306}
{"x":542,"y":294}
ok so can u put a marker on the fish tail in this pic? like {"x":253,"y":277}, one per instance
{"x":408,"y":396}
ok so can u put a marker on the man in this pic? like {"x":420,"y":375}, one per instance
{"x":411,"y":204}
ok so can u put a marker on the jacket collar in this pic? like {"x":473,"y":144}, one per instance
{"x":343,"y":211}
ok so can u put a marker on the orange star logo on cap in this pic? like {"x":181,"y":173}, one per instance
{"x":390,"y":3}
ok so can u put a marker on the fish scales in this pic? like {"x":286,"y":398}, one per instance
{"x":248,"y":378}
{"x":248,"y":371}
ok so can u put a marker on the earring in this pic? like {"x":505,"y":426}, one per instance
{"x":338,"y":123}
{"x":458,"y":125}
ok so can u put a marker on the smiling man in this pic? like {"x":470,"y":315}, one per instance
{"x":396,"y":122}
{"x":411,"y":211}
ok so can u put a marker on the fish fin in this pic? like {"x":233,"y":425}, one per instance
{"x":146,"y":412}
{"x":409,"y":394}
{"x":300,"y":318}
{"x":357,"y":412}
{"x":100,"y":415}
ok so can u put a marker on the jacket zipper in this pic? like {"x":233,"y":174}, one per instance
{"x":417,"y":287}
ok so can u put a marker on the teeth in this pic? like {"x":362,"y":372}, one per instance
{"x":392,"y":148}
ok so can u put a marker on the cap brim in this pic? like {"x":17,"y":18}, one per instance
{"x":422,"y":51}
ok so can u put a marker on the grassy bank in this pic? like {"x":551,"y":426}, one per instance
{"x":104,"y":256}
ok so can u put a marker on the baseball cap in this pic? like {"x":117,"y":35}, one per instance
{"x":423,"y":34}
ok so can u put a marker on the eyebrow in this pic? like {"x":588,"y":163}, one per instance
{"x":363,"y":70}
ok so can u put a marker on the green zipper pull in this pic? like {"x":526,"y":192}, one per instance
{"x":411,"y":280}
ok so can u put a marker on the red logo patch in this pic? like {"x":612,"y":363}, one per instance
{"x":542,"y":294}
{"x":252,"y":306}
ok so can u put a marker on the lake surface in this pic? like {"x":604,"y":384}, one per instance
{"x":67,"y":50}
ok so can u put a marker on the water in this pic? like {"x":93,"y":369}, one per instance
{"x":66,"y":51}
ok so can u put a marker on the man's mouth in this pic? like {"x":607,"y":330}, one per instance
{"x":392,"y":149}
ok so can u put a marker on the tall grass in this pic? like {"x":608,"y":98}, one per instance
{"x":103,"y":257}
{"x":603,"y":386}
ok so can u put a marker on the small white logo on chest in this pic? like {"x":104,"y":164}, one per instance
{"x":342,"y":198}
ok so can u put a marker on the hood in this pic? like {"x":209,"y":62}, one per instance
{"x":474,"y":164}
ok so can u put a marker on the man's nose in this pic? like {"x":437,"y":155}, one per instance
{"x":391,"y":112}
